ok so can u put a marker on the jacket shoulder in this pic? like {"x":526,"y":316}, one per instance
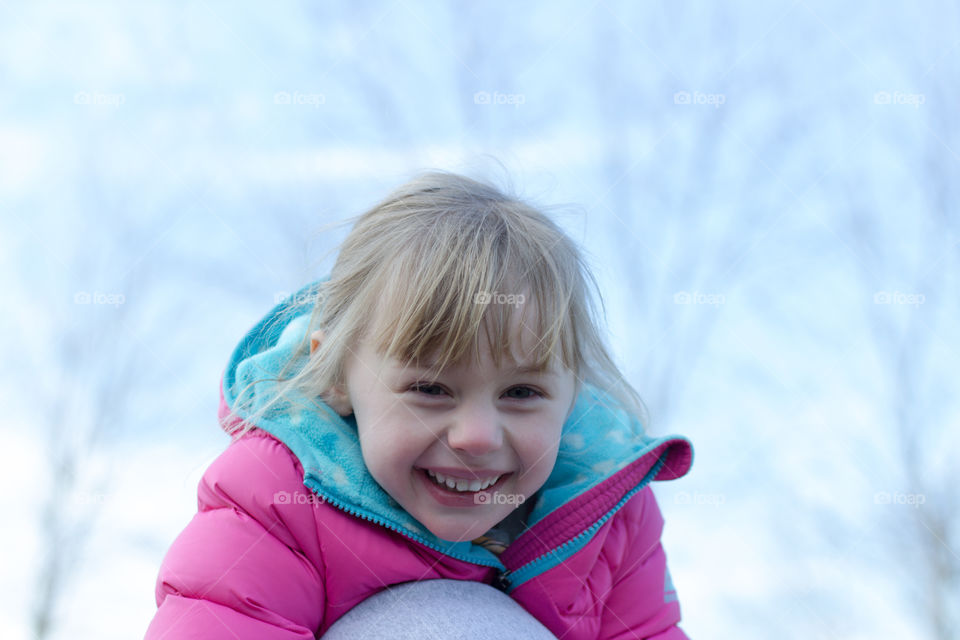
{"x":244,"y":561}
{"x":258,"y":476}
{"x":248,"y":467}
{"x":641,"y":601}
{"x":639,"y":523}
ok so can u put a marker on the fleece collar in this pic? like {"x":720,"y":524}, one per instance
{"x":597,"y":441}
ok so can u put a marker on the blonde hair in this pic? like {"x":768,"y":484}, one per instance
{"x":429,"y":267}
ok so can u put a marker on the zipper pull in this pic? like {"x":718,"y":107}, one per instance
{"x":502,"y":581}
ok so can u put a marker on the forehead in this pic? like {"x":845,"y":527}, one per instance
{"x":508,"y":365}
{"x":510,"y":341}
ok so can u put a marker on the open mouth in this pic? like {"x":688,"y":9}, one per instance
{"x":462,"y":487}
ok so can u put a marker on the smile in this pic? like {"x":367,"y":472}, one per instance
{"x":459,"y":484}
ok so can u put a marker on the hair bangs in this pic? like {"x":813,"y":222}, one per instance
{"x":470,"y":291}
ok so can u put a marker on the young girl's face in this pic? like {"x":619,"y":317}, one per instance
{"x":473,"y":424}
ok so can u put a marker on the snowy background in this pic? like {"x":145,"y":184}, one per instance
{"x":768,"y":193}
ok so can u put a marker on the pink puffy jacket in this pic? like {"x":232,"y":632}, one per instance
{"x":290,"y":534}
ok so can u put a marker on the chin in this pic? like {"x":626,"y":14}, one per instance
{"x":455,"y":533}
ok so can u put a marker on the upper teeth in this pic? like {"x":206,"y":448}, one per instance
{"x":459,"y":484}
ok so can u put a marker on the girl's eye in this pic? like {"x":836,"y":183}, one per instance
{"x":515,"y":393}
{"x":428,"y":389}
{"x":524,"y":393}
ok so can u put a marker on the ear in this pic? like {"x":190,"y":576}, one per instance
{"x":315,"y":339}
{"x":336,"y":397}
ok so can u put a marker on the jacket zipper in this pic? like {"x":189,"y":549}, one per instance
{"x":502,"y":581}
{"x":495,"y":563}
{"x":506,"y":578}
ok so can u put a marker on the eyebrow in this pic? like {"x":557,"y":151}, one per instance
{"x":524,"y":369}
{"x":527,"y":368}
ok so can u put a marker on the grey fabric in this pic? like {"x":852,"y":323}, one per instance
{"x":438,"y":610}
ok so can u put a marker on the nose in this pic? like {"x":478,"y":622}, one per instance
{"x":476,"y":430}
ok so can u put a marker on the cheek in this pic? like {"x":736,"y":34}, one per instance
{"x":387,"y":446}
{"x":538,"y":449}
{"x":375,"y":442}
{"x":540,"y":452}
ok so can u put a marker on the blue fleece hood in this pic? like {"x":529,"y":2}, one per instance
{"x":597,"y":441}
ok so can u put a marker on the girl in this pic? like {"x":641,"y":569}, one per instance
{"x":440,"y":407}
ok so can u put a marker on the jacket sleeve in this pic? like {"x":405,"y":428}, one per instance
{"x":642,"y":602}
{"x":248,"y":564}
